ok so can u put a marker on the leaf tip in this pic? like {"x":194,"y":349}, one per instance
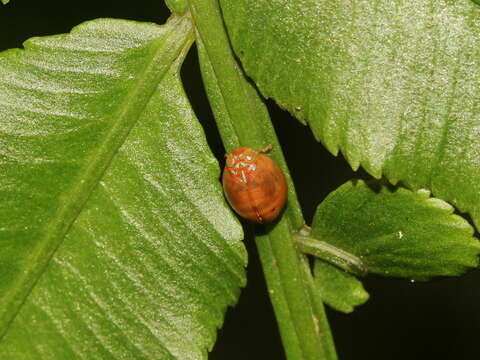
{"x":440,"y":205}
{"x":424,"y":193}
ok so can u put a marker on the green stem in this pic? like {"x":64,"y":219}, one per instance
{"x":288,"y":333}
{"x":331,"y":254}
{"x":278,"y":246}
{"x":320,"y":315}
{"x":242,"y":119}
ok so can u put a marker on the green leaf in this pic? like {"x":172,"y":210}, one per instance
{"x":393,"y":84}
{"x":116,"y":241}
{"x":339,"y":289}
{"x":397,"y":233}
{"x":4,"y":2}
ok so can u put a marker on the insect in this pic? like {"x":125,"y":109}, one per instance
{"x":254,"y":184}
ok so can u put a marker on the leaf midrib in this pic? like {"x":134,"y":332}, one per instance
{"x":164,"y":51}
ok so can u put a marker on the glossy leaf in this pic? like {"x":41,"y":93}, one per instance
{"x":393,"y":84}
{"x":340,"y":290}
{"x":116,"y":241}
{"x":397,"y":233}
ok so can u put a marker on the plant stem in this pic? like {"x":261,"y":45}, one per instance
{"x":331,"y":254}
{"x":290,"y":338}
{"x":324,"y":327}
{"x":242,"y":119}
{"x":278,"y":255}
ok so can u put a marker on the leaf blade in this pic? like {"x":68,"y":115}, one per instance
{"x":24,"y":103}
{"x":391,"y":84}
{"x":397,"y":233}
{"x":154,"y":256}
{"x":337,"y":288}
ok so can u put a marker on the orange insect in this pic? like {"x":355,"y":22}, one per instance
{"x":254,"y":185}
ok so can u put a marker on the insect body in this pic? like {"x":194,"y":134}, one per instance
{"x":254,"y":185}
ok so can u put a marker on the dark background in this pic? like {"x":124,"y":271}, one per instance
{"x":435,"y":320}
